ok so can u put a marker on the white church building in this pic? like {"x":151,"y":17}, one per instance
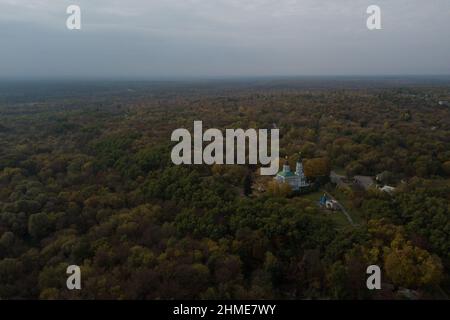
{"x":296,"y":180}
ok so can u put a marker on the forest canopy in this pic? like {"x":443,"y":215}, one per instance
{"x":87,"y":180}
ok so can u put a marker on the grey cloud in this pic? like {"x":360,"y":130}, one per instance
{"x":222,"y":38}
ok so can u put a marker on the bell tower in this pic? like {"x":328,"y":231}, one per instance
{"x":286,"y":167}
{"x":300,"y":173}
{"x":299,"y":166}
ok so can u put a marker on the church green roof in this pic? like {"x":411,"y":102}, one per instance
{"x":285,"y":174}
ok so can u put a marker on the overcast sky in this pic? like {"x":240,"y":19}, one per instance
{"x":215,"y":38}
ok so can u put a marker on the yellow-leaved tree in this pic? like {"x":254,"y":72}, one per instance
{"x":410,"y":266}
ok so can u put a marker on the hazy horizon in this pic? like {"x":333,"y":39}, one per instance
{"x":229,"y":78}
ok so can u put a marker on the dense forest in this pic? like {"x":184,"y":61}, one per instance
{"x":86,"y":179}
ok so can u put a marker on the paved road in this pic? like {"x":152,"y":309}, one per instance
{"x":350,"y":220}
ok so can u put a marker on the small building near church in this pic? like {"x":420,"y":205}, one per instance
{"x":388,"y":189}
{"x":339,"y":180}
{"x":364,"y":182}
{"x":329,"y":204}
